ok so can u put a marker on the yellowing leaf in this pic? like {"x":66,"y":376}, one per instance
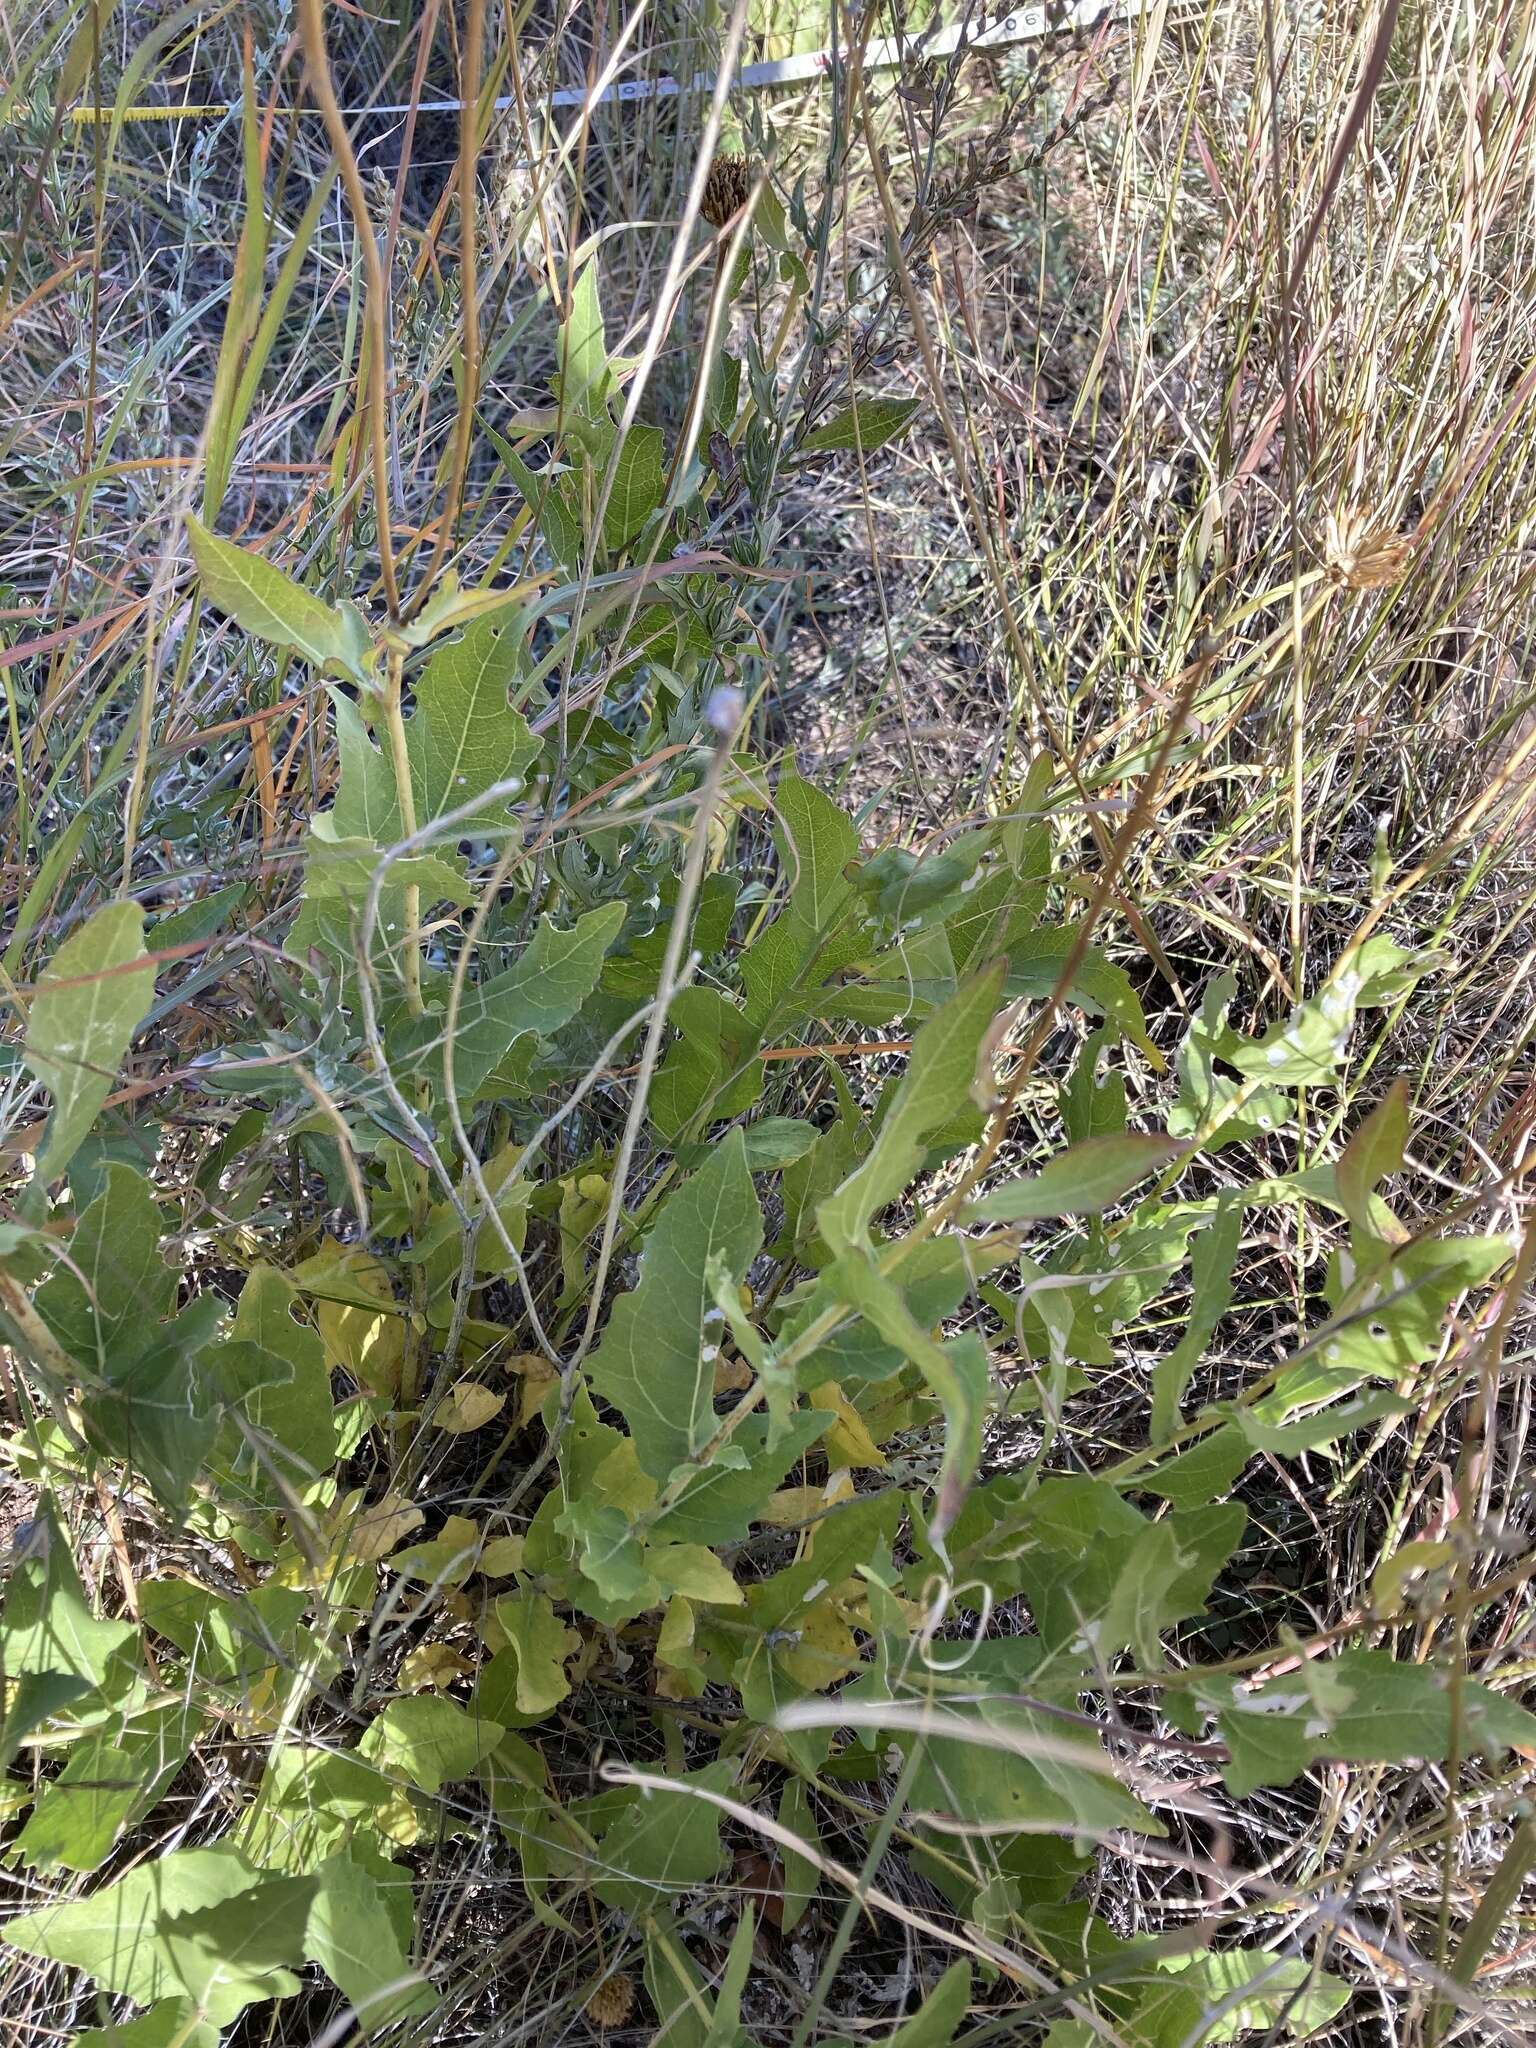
{"x":536,"y":1376}
{"x":428,"y":1741}
{"x":732,"y":1375}
{"x":1394,"y":1572}
{"x":468,"y":1406}
{"x":690,"y":1569}
{"x":827,"y":1649}
{"x":848,"y":1441}
{"x":262,"y":1703}
{"x":432,"y":1667}
{"x":502,"y":1556}
{"x":446,"y":1559}
{"x":679,"y":1673}
{"x":367,"y":1343}
{"x":397,"y":1818}
{"x":795,"y":1505}
{"x":381,"y":1528}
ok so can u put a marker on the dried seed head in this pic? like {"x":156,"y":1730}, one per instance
{"x":380,"y":194}
{"x":612,"y":2002}
{"x":1362,"y":554}
{"x":726,"y":189}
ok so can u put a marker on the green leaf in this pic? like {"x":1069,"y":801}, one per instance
{"x":1323,"y":1426}
{"x":47,"y":1627}
{"x":1311,"y":1045}
{"x":650,"y":1363}
{"x":958,"y":1372}
{"x":236,"y":1951}
{"x":1207,"y":1096}
{"x":278,"y":1364}
{"x":429,"y":1740}
{"x":197,"y":920}
{"x":38,"y":1697}
{"x":351,"y":1935}
{"x":662,"y":1841}
{"x":464,"y":736}
{"x":1256,"y":1991}
{"x":1037,"y":960}
{"x":610,"y":1558}
{"x":583,"y":380}
{"x":1199,"y":1474}
{"x":227,"y":1642}
{"x":106,"y":1301}
{"x":117,"y":1934}
{"x":112,"y":1774}
{"x":263,"y":601}
{"x":1374,"y":1152}
{"x":553,"y":502}
{"x":637,"y":487}
{"x":78,"y":1814}
{"x":690,"y":1569}
{"x":1384,"y":970}
{"x":904,"y":885}
{"x":772,"y":1142}
{"x":1392,"y":1322}
{"x":723,"y":396}
{"x":725,"y":2027}
{"x":155,"y":1411}
{"x":367,"y":802}
{"x":1212,"y":1265}
{"x":541,"y":1642}
{"x":848,"y":1536}
{"x":933,"y":2024}
{"x":315,"y":1802}
{"x":1362,"y":1706}
{"x":937,"y":1083}
{"x":173,"y":2023}
{"x":1093,"y":1105}
{"x":998,"y":1764}
{"x":816,"y":843}
{"x":338,"y":877}
{"x":801,"y":1875}
{"x":1096,"y":1570}
{"x":538,"y":994}
{"x":1082,"y":1181}
{"x":714,"y":1041}
{"x":720,"y":1503}
{"x":673,"y":1984}
{"x":868,"y":425}
{"x":90,"y":1000}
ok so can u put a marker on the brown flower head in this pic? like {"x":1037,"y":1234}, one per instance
{"x":1361,"y":553}
{"x":612,"y":2002}
{"x":726,"y":189}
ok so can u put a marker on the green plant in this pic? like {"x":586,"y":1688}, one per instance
{"x":634,"y":1369}
{"x":724,"y":1372}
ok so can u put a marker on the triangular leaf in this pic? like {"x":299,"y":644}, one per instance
{"x":867,"y":425}
{"x":1082,"y":1181}
{"x":262,"y":600}
{"x":651,"y":1362}
{"x":90,"y":1000}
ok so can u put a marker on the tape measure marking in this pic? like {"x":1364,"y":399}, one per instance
{"x":1021,"y":25}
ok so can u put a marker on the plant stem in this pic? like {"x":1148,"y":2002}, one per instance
{"x":405,"y":796}
{"x":311,"y":20}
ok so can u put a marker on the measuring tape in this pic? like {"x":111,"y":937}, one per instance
{"x":1021,"y":25}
